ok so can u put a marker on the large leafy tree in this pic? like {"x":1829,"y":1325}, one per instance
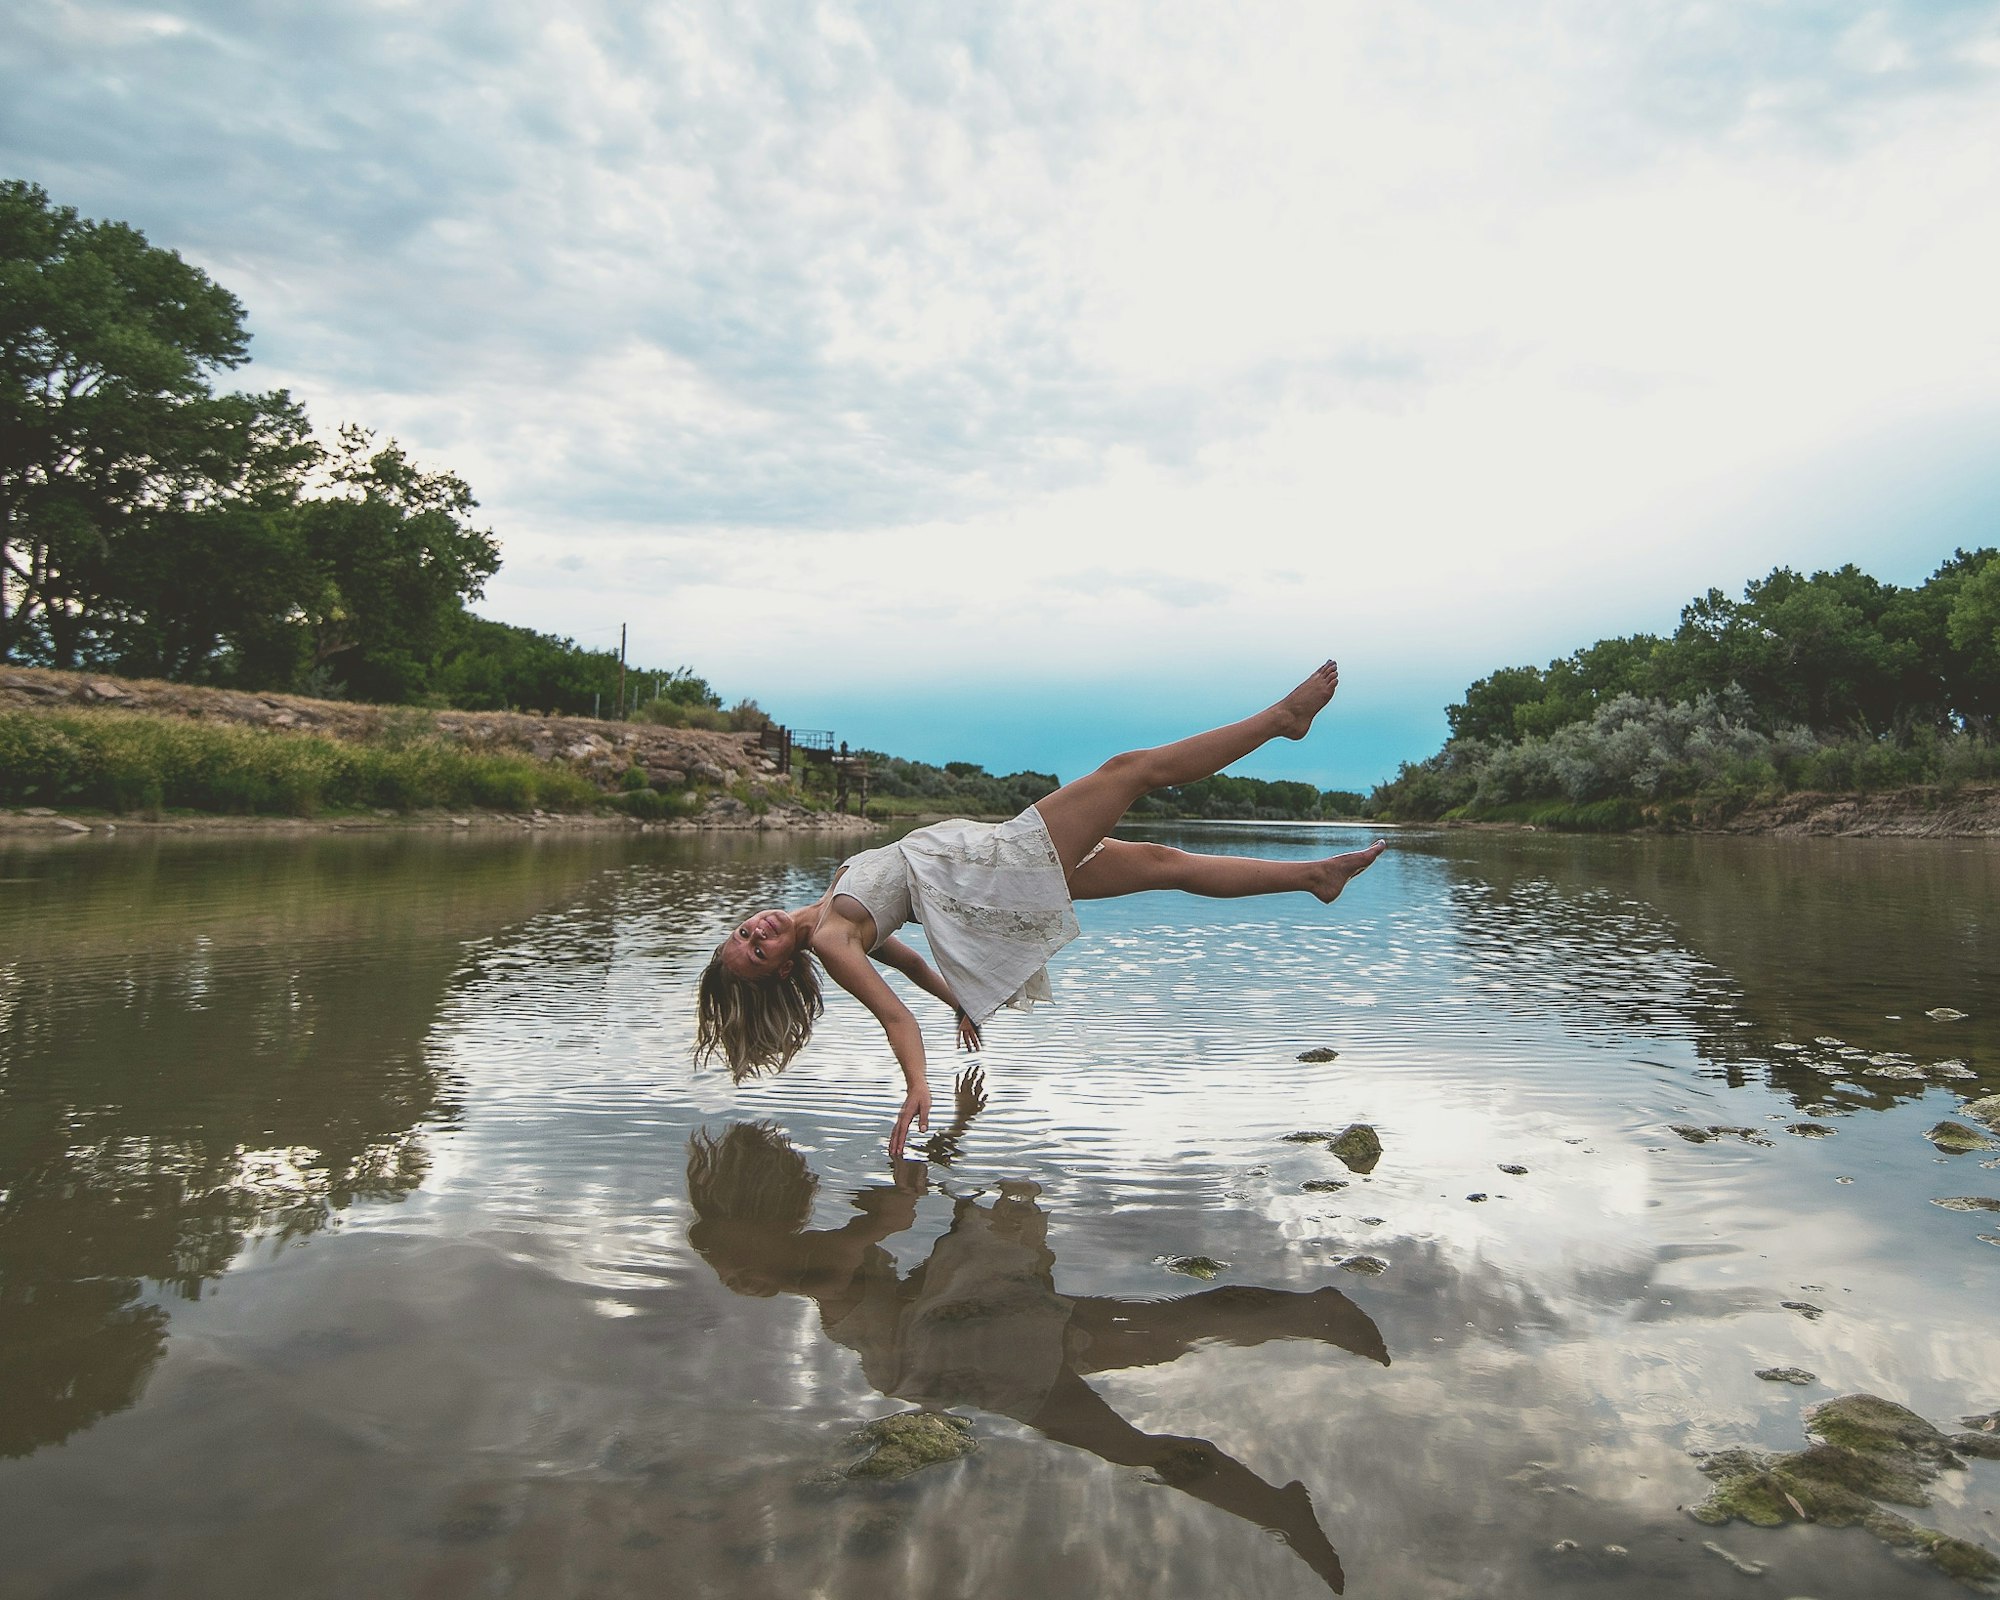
{"x":389,"y":556}
{"x":114,"y":446}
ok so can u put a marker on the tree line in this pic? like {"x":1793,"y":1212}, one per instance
{"x":1835,"y":680}
{"x":155,"y":527}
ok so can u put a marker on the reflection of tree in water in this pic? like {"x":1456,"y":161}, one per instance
{"x":167,"y":1095}
{"x":1739,"y":947}
{"x":980,"y":1323}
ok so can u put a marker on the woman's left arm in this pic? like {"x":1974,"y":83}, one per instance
{"x":894,"y":953}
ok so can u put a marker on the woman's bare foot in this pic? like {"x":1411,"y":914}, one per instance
{"x":1296,"y":711}
{"x":1336,"y":872}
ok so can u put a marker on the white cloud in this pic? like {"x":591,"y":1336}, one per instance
{"x":898,"y":333}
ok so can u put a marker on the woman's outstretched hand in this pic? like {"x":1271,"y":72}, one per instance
{"x":968,"y":1033}
{"x":917,"y":1109}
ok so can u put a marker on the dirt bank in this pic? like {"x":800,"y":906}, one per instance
{"x":1967,"y":812}
{"x":675,"y":760}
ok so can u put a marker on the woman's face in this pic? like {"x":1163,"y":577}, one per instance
{"x":762,"y":946}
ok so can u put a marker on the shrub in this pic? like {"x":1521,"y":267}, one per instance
{"x":125,"y":761}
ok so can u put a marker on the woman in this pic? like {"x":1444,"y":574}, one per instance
{"x":995,"y":902}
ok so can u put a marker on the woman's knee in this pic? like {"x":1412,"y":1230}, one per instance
{"x":1135,"y":769}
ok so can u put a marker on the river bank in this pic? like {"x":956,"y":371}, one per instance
{"x":83,"y":752}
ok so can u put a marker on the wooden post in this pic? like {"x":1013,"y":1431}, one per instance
{"x":621,"y":673}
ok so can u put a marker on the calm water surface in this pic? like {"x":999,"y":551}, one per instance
{"x":348,"y":1243}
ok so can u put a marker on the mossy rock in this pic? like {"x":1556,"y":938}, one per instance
{"x":1956,"y":1139}
{"x":1204,"y":1267}
{"x":907,"y":1443}
{"x":1829,"y":1475}
{"x":1874,"y":1426}
{"x":1359,"y":1146}
{"x":1865,"y":1450}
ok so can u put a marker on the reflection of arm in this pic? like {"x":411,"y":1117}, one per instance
{"x":1148,"y":1333}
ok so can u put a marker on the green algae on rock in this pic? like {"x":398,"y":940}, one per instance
{"x":1358,"y":1146}
{"x":1956,"y":1139}
{"x":906,"y":1443}
{"x":1863,"y":1450}
{"x":1203,"y":1267}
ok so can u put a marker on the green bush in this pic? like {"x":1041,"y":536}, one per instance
{"x":126,"y":761}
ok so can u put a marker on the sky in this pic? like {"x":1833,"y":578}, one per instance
{"x":1020,"y":383}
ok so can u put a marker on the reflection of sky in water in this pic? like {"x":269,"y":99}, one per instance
{"x":521,"y":1366}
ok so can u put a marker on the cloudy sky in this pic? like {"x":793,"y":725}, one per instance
{"x":1021,"y":382}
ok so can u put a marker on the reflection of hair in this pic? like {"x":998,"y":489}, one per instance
{"x":756,"y":1026}
{"x":750,"y":1174}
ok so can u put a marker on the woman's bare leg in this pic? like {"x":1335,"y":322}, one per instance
{"x":1123,"y":867}
{"x":1082,"y":812}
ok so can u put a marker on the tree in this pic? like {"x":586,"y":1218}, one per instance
{"x":1488,"y":710}
{"x":110,"y":435}
{"x":1973,"y":627}
{"x":390,"y":558}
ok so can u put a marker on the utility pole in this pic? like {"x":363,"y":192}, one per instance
{"x":621,"y":672}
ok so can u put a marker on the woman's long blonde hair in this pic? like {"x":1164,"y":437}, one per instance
{"x":757,"y":1027}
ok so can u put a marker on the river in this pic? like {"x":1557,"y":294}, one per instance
{"x":349,"y":1244}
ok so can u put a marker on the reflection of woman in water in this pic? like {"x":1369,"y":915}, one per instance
{"x":980,"y":1322}
{"x":995,"y":902}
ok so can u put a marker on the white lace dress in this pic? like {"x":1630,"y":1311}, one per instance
{"x":991,"y":897}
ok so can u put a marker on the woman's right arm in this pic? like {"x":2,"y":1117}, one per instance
{"x":840,"y":952}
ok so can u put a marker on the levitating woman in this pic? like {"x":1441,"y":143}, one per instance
{"x":996,"y":902}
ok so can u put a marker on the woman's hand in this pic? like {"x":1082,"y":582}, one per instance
{"x":917,"y":1109}
{"x":968,"y":1032}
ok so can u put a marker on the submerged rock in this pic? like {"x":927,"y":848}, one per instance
{"x":1321,"y":1053}
{"x":1323,"y":1185}
{"x":1956,"y":1139}
{"x":1358,"y":1146}
{"x":1805,"y":1308}
{"x":1203,"y":1267}
{"x":1716,"y":1130}
{"x":1369,"y":1266}
{"x":1797,"y":1375}
{"x":1810,"y":1130}
{"x":1900,"y":1069}
{"x":1968,"y":1202}
{"x":1865,"y":1450}
{"x":1749,"y":1569}
{"x":1310,"y":1136}
{"x":906,"y":1443}
{"x":1513,"y":1170}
